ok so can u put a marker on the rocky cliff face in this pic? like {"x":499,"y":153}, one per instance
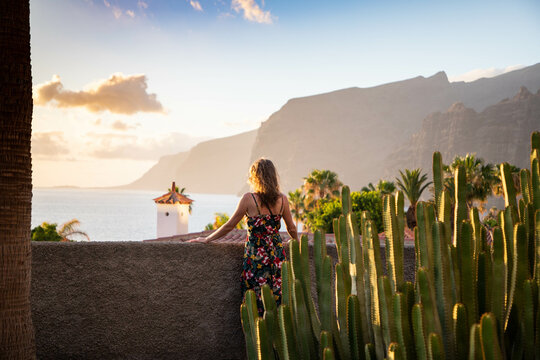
{"x":499,"y":133}
{"x":213,"y":166}
{"x":355,"y":132}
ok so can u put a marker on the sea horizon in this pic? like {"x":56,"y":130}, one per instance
{"x":107,"y":214}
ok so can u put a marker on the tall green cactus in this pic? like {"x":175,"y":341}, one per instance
{"x":427,"y":298}
{"x":354,"y":328}
{"x":508,"y":185}
{"x":288,"y":337}
{"x":499,"y":278}
{"x":490,"y":340}
{"x":438,"y":177}
{"x":468,"y":274}
{"x":403,"y":327}
{"x":372,"y":247}
{"x":460,"y":332}
{"x":419,"y":332}
{"x":475,"y":344}
{"x":443,"y":282}
{"x":394,"y":244}
{"x":460,"y":212}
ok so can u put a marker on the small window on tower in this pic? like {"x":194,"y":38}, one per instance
{"x":167,"y":213}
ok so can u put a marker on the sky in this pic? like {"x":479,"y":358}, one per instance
{"x":119,"y":83}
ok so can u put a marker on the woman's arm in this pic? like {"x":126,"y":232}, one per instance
{"x":239,"y":213}
{"x":287,"y":217}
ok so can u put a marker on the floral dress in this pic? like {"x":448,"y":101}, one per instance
{"x":263,"y":255}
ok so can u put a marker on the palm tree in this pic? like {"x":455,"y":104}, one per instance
{"x":321,"y":184}
{"x":70,"y":229}
{"x":412,"y":183}
{"x":296,"y":202}
{"x":16,"y":330}
{"x":383,"y":186}
{"x":481,"y":179}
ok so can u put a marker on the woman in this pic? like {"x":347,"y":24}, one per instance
{"x":263,"y":251}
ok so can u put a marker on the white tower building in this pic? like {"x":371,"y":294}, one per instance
{"x":172,"y":213}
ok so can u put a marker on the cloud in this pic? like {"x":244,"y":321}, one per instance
{"x":119,"y":94}
{"x":48,"y":145}
{"x":483,"y":73}
{"x":252,"y":11}
{"x":123,"y":126}
{"x":196,"y":5}
{"x":142,"y":5}
{"x":130,"y":13}
{"x":123,"y":146}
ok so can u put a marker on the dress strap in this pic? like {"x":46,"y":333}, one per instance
{"x":281,"y":210}
{"x":256,"y":204}
{"x":268,"y":207}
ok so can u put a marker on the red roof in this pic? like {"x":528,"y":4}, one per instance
{"x":173,"y":197}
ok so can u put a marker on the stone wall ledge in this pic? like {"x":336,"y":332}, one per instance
{"x":140,"y":300}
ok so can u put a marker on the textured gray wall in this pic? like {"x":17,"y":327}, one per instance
{"x":139,"y":300}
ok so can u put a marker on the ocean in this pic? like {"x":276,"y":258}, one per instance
{"x":119,"y":215}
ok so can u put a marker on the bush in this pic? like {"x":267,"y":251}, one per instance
{"x":46,"y":232}
{"x":321,"y":218}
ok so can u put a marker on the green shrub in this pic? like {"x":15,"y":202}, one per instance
{"x":321,"y":218}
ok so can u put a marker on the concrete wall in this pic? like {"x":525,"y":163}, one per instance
{"x":139,"y":300}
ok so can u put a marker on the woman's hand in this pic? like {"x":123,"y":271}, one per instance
{"x":198,"y":240}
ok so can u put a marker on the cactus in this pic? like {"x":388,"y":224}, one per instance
{"x":535,"y":180}
{"x":427,"y":298}
{"x":435,"y":347}
{"x":249,"y":331}
{"x":287,"y":333}
{"x":443,"y":283}
{"x":328,"y":354}
{"x":460,"y":331}
{"x":354,"y":328}
{"x":369,"y":351}
{"x":326,"y":341}
{"x":438,"y":177}
{"x":526,"y":187}
{"x":508,"y":186}
{"x":537,"y":248}
{"x":468,"y":273}
{"x":477,"y":231}
{"x":475,"y":344}
{"x":319,"y":253}
{"x":460,"y":211}
{"x":387,"y":313}
{"x":519,"y":272}
{"x":530,"y":294}
{"x":306,"y":344}
{"x":499,"y":275}
{"x":374,"y":270}
{"x":488,"y":334}
{"x":419,"y":332}
{"x":394,"y":244}
{"x":271,"y":316}
{"x":395,"y":352}
{"x":401,"y":318}
{"x":264,"y":341}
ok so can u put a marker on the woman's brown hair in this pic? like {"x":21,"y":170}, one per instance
{"x":263,"y":179}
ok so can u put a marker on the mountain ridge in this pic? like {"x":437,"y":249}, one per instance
{"x":351,"y":131}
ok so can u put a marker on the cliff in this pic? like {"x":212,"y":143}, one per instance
{"x":213,"y":166}
{"x":499,"y":133}
{"x":354,"y":132}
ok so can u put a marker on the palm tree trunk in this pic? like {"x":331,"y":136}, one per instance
{"x":16,"y":330}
